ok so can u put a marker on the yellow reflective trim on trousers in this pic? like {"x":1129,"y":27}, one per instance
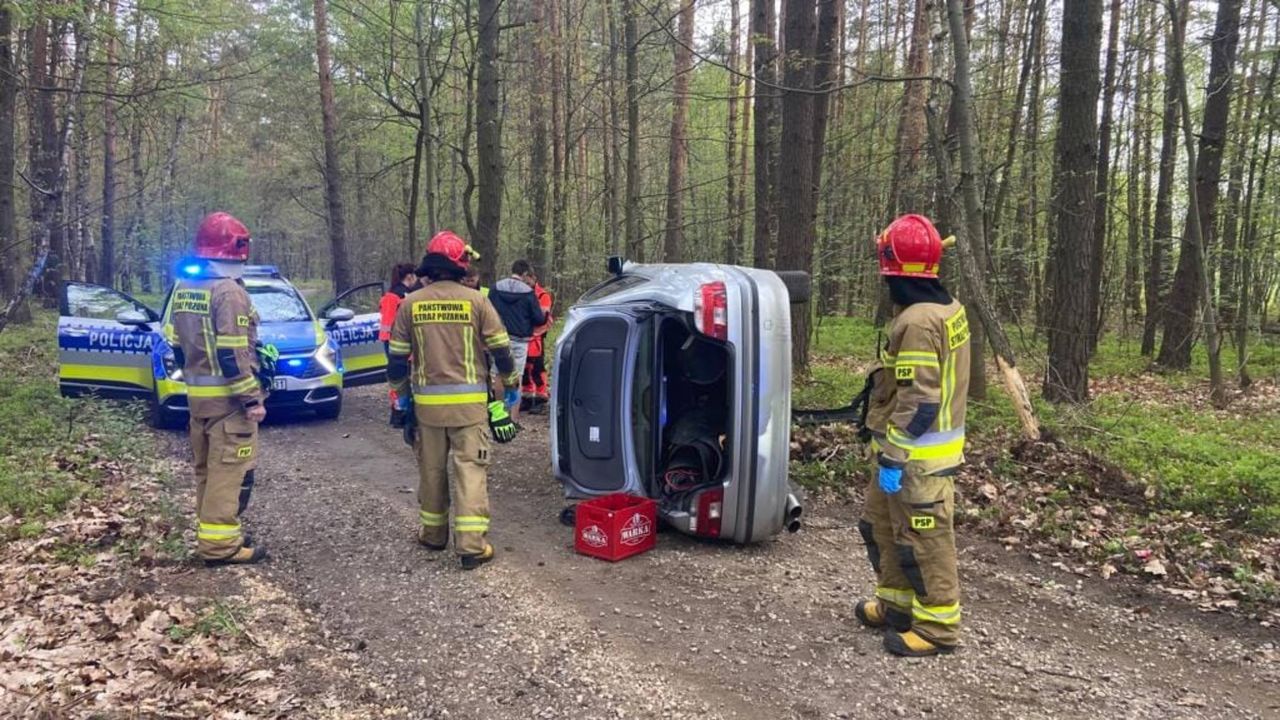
{"x":457,"y":399}
{"x":216,"y":391}
{"x":900,"y":597}
{"x":399,"y":347}
{"x":213,"y":531}
{"x":471,"y":523}
{"x":430,"y":519}
{"x":940,"y":614}
{"x":232,"y":341}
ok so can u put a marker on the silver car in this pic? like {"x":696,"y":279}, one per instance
{"x":674,"y":382}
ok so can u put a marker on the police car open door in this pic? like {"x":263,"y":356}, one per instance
{"x":362,"y":353}
{"x":104,"y":342}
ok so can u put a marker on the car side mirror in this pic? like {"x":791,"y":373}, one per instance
{"x":340,"y":314}
{"x":135,"y":318}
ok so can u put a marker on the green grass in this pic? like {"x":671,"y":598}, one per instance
{"x":218,"y":619}
{"x":1223,"y":465}
{"x":53,"y":450}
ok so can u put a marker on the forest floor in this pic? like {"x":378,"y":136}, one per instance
{"x":104,"y":614}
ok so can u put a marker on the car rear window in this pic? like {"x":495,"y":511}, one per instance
{"x":277,"y":303}
{"x":610,"y":287}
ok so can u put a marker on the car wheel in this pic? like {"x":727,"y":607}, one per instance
{"x":330,"y":411}
{"x":162,"y":418}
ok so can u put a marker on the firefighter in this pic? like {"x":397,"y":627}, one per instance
{"x":447,"y":329}
{"x":916,"y":418}
{"x":213,"y":329}
{"x":534,"y":387}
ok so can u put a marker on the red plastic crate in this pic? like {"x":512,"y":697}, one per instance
{"x":617,"y":526}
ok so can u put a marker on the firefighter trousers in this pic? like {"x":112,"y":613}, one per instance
{"x":464,"y":453}
{"x":911,"y":544}
{"x":226,"y":453}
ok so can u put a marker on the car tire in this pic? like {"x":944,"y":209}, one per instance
{"x":162,"y":418}
{"x":799,"y":285}
{"x":330,"y":411}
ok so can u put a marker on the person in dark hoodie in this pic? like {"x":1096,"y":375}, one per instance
{"x":518,"y":307}
{"x":916,"y":419}
{"x":403,"y":282}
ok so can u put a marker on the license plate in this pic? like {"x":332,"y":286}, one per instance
{"x":279,"y":384}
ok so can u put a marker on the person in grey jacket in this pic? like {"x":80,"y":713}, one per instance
{"x":518,"y":307}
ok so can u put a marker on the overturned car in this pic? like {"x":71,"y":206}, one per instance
{"x":673,"y":382}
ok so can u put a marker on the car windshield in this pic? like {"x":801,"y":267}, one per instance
{"x":277,"y":303}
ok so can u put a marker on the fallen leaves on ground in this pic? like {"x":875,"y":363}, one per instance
{"x":85,"y":630}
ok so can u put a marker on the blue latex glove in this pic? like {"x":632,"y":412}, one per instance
{"x":511,"y":398}
{"x":404,"y":403}
{"x":890,"y":479}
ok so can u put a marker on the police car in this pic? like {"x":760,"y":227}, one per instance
{"x":112,"y":345}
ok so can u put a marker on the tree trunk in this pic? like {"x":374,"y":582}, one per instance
{"x":46,"y":200}
{"x":1103,"y":179}
{"x":635,"y":244}
{"x":1250,"y":244}
{"x":536,"y":250}
{"x":731,"y":139}
{"x":1187,"y":293}
{"x":1133,"y":195}
{"x":342,"y":278}
{"x":827,"y":60}
{"x":8,"y":109}
{"x":488,"y":136}
{"x":425,"y":91}
{"x":1070,"y":323}
{"x":744,"y":158}
{"x":169,"y":230}
{"x":677,"y":157}
{"x":1162,"y":226}
{"x":765,"y":76}
{"x":615,"y":132}
{"x":796,"y":210}
{"x":974,"y":220}
{"x":107,"y":268}
{"x":1228,"y":25}
{"x":907,"y":190}
{"x":1025,"y":223}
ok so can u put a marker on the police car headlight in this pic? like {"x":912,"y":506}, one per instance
{"x":171,"y":367}
{"x":326,"y":358}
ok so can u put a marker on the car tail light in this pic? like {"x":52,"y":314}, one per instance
{"x":710,"y":510}
{"x":711,"y":310}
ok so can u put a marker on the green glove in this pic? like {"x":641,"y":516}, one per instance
{"x":504,"y":431}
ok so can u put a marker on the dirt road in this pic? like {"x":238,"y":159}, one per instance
{"x":700,"y":630}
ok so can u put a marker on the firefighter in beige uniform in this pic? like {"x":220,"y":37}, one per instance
{"x":447,"y":329}
{"x":916,"y":417}
{"x":214,"y":331}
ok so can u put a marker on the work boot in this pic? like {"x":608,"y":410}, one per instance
{"x":426,"y":543}
{"x":913,"y":644}
{"x":246,"y":555}
{"x":876,"y":615}
{"x":471,"y":562}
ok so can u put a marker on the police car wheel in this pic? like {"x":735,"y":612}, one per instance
{"x":330,"y":411}
{"x":163,"y":418}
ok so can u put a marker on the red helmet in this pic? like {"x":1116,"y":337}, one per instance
{"x":222,"y":237}
{"x":450,"y":247}
{"x":910,"y":247}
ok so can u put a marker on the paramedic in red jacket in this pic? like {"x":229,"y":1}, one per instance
{"x":534,"y":387}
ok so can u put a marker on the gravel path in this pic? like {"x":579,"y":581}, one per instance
{"x":693,"y":629}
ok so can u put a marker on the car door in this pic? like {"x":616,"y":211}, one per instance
{"x":97,"y":354}
{"x":362,"y":353}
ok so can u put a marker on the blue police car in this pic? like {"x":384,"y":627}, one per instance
{"x":112,"y":345}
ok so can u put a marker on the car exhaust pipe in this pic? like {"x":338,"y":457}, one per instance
{"x":793,"y":512}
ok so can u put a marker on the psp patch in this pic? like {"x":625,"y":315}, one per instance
{"x":429,"y":312}
{"x":905,"y":375}
{"x":242,"y":321}
{"x":923,"y":522}
{"x":245,"y":452}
